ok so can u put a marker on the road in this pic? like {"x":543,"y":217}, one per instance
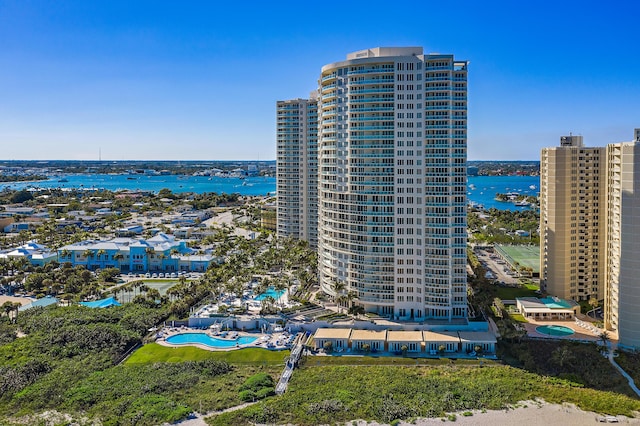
{"x":496,"y":268}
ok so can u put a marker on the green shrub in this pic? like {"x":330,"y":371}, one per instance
{"x":247,"y":395}
{"x":265,"y":392}
{"x":257,"y":382}
{"x":258,"y":386}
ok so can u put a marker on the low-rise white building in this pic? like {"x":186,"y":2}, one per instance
{"x":36,"y":254}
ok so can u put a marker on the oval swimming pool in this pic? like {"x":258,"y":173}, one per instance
{"x":205,"y":339}
{"x":555,"y":330}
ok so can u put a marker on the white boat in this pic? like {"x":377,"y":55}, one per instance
{"x":532,"y":187}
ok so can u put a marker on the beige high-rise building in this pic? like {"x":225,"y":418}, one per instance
{"x":590,"y":229}
{"x":572,"y":220}
{"x":297,"y":169}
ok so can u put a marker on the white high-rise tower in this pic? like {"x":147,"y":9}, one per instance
{"x":392,"y":182}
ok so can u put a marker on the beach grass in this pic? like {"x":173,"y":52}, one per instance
{"x":336,"y":394}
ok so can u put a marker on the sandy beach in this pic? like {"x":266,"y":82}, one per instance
{"x":527,"y":413}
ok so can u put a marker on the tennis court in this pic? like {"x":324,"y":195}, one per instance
{"x":161,"y":285}
{"x":528,"y":256}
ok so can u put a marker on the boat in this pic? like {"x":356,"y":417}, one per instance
{"x":63,"y":180}
{"x":532,"y":187}
{"x":522,"y":203}
{"x":131,"y":178}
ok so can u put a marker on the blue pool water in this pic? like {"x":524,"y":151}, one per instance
{"x":205,"y":339}
{"x":270,"y":292}
{"x":555,"y":330}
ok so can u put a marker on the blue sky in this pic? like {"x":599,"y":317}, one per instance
{"x":199,"y":80}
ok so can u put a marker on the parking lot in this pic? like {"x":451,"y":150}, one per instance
{"x":498,"y":267}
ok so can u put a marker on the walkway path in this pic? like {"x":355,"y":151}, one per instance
{"x":613,"y":362}
{"x":294,"y":357}
{"x":198,"y":420}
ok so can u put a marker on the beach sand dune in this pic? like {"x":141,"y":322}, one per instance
{"x":527,"y":413}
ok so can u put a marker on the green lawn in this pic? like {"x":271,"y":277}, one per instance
{"x":517,"y":317}
{"x":509,"y":293}
{"x":153,"y":352}
{"x":321,"y":361}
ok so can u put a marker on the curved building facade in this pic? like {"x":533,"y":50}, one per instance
{"x":392,"y":139}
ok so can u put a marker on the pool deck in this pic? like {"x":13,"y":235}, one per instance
{"x":275,"y":341}
{"x":253,"y":306}
{"x":580,"y":334}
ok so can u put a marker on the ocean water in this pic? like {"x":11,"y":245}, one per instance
{"x":258,"y":185}
{"x":483,"y":189}
{"x":480,"y":189}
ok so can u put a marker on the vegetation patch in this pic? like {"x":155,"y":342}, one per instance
{"x":582,"y":364}
{"x":326,"y":395}
{"x":258,"y":386}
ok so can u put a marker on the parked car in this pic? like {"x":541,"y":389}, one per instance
{"x":147,"y":275}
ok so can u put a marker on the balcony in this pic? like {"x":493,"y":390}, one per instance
{"x":365,"y":71}
{"x":329,"y":77}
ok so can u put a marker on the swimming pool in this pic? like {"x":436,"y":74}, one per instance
{"x":205,"y":339}
{"x":270,"y":292}
{"x":555,"y":330}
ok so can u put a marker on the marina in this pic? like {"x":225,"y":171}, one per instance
{"x":481,"y":190}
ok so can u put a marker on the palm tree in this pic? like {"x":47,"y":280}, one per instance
{"x":87,"y":254}
{"x":101,"y":255}
{"x":342,"y":300}
{"x":118,"y":257}
{"x":357,"y":310}
{"x":280,"y":286}
{"x":404,"y":349}
{"x":7,"y":307}
{"x":65,"y":254}
{"x":149,"y":251}
{"x":604,"y":338}
{"x":338,"y":287}
{"x":162,"y":256}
